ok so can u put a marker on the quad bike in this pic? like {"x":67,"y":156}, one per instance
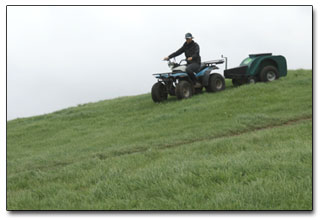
{"x":178,"y":83}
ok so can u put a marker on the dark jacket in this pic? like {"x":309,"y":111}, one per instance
{"x":190,"y":50}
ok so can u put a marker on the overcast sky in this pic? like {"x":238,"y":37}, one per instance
{"x":64,"y":56}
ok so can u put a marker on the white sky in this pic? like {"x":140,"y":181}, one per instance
{"x":63,"y":56}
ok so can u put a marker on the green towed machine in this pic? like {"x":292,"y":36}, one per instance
{"x":263,"y":67}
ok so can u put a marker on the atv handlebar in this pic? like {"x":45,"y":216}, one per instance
{"x":174,"y":63}
{"x":182,"y":61}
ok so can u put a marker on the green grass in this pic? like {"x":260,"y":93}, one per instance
{"x":245,"y":148}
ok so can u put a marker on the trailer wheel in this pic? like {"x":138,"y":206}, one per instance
{"x":158,"y":92}
{"x":269,"y":73}
{"x":184,"y":90}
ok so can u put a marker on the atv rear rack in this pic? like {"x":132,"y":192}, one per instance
{"x":213,"y":62}
{"x":162,"y":73}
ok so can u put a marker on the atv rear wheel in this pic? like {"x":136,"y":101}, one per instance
{"x":269,"y":73}
{"x":184,"y":90}
{"x":216,"y":83}
{"x":158,"y":92}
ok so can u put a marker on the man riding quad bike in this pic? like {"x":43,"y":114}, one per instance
{"x":178,"y":83}
{"x":192,"y":52}
{"x":182,"y":81}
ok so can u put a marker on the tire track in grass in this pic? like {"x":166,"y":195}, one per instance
{"x":177,"y":144}
{"x":141,"y":149}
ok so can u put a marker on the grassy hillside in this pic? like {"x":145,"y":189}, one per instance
{"x":245,"y":148}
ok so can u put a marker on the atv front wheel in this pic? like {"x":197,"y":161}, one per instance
{"x":216,"y":83}
{"x":184,"y":90}
{"x":158,"y":92}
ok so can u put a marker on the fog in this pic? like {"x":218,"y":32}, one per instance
{"x":62,"y":56}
